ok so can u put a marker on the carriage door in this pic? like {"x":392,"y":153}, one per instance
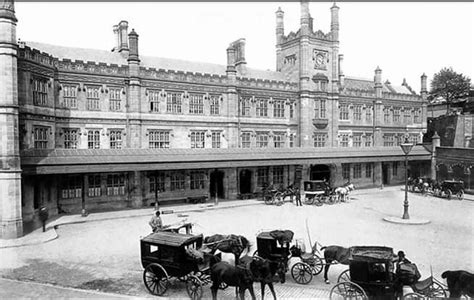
{"x":216,"y":184}
{"x":385,"y":178}
{"x":245,"y":180}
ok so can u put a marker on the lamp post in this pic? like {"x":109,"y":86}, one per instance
{"x":406,"y":147}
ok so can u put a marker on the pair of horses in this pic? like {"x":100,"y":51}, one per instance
{"x":246,"y":270}
{"x":342,"y":192}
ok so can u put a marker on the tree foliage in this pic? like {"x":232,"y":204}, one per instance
{"x":449,"y":85}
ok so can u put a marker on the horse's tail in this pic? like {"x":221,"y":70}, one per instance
{"x":445,"y":274}
{"x":322,"y":248}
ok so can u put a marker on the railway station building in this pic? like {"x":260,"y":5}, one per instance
{"x":86,"y":129}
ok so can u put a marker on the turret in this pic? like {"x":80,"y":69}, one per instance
{"x":305,"y":17}
{"x":378,"y":82}
{"x":335,"y":22}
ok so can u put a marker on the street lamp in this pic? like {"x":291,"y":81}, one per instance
{"x":406,"y":147}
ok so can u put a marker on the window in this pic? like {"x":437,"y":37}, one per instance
{"x":114,"y":99}
{"x":344,"y":112}
{"x":368,"y":140}
{"x":262,"y":177}
{"x":278,"y":175}
{"x":292,"y":109}
{"x":196,"y":104}
{"x":279,"y":109}
{"x":396,"y":115}
{"x":216,"y":139}
{"x":245,"y":139}
{"x":70,"y":138}
{"x":407,"y":115}
{"x":158,"y":139}
{"x":386,"y":114}
{"x":358,"y":112}
{"x":154,"y":100}
{"x":94,"y":186}
{"x":346,"y":171}
{"x":177,"y":181}
{"x":395,"y":168}
{"x":344,"y":142}
{"x":92,"y":95}
{"x":413,"y":138}
{"x":368,"y":114}
{"x":368,"y":170}
{"x":69,"y":96}
{"x":292,"y":141}
{"x":40,"y":94}
{"x":173,"y":102}
{"x":319,"y":108}
{"x":278,"y":140}
{"x":115,"y":185}
{"x":416,"y":116}
{"x":214,"y":104}
{"x":197,"y":139}
{"x":40,"y":137}
{"x":245,"y":106}
{"x":93,"y":139}
{"x":262,"y":107}
{"x":320,"y":140}
{"x":388,"y":140}
{"x":357,"y":170}
{"x":197,"y":180}
{"x":115,"y":139}
{"x":262,"y":140}
{"x":71,"y":187}
{"x":357,"y":140}
{"x":157,"y":181}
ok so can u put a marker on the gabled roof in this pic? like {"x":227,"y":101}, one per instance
{"x":364,"y":84}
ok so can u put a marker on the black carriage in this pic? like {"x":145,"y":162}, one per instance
{"x":420,"y":184}
{"x":371,"y":275}
{"x":450,"y":188}
{"x":318,"y":192}
{"x":166,"y":255}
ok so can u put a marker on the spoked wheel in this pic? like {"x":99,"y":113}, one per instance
{"x":194,"y":287}
{"x":155,"y":279}
{"x":435,"y":290}
{"x":308,"y":200}
{"x":319,"y":200}
{"x":344,"y":276}
{"x":460,"y":194}
{"x":347,"y":290}
{"x":316,"y":264}
{"x":302,"y":273}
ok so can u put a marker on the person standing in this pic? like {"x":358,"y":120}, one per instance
{"x":298,"y":197}
{"x":156,"y":223}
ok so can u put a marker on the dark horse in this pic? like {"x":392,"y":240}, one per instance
{"x":335,"y":253}
{"x":459,"y":283}
{"x":266,"y":273}
{"x":235,"y":244}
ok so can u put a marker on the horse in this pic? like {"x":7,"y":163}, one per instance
{"x":459,"y":283}
{"x":266,"y":277}
{"x":235,"y":244}
{"x":343,"y":191}
{"x":335,"y":253}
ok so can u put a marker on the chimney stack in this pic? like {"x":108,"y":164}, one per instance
{"x":378,"y":82}
{"x":133,"y":41}
{"x":341,"y":73}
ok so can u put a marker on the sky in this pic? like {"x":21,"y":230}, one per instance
{"x":405,"y":39}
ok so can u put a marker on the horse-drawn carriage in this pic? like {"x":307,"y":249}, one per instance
{"x":167,"y":255}
{"x":318,"y":192}
{"x":448,"y":188}
{"x":372,"y":276}
{"x":420,"y":184}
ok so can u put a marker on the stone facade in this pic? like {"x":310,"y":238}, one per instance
{"x":123,"y":103}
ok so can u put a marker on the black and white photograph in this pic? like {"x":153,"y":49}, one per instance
{"x":236,"y":150}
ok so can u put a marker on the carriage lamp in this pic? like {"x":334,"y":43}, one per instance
{"x":406,"y":147}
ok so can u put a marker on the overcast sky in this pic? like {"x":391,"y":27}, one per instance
{"x":405,"y":39}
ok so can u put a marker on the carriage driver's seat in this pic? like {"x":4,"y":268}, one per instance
{"x":422,"y":285}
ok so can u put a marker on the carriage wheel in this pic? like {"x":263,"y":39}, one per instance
{"x":412,"y":296}
{"x":330,"y":199}
{"x":316,"y":264}
{"x":308,"y":200}
{"x":302,"y":273}
{"x":344,"y":276}
{"x":435,"y":290}
{"x":155,"y":279}
{"x":460,"y":194}
{"x":319,"y":200}
{"x":194,"y":288}
{"x":347,"y":290}
{"x":449,"y":194}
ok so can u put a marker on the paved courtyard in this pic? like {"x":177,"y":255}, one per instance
{"x":105,"y":255}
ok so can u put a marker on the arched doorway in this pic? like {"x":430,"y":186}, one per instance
{"x":216,"y":184}
{"x":320,"y":172}
{"x":245,"y":181}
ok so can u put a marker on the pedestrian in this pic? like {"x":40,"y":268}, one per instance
{"x":298,"y":197}
{"x":156,"y":223}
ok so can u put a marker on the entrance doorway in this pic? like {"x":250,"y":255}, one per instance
{"x":216,"y":184}
{"x":320,"y":172}
{"x":385,"y":178}
{"x":245,"y":180}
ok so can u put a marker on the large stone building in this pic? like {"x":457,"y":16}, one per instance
{"x":95,"y":129}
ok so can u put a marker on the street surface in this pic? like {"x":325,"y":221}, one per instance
{"x":105,"y":256}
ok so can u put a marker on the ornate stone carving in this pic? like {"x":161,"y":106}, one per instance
{"x":320,"y":59}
